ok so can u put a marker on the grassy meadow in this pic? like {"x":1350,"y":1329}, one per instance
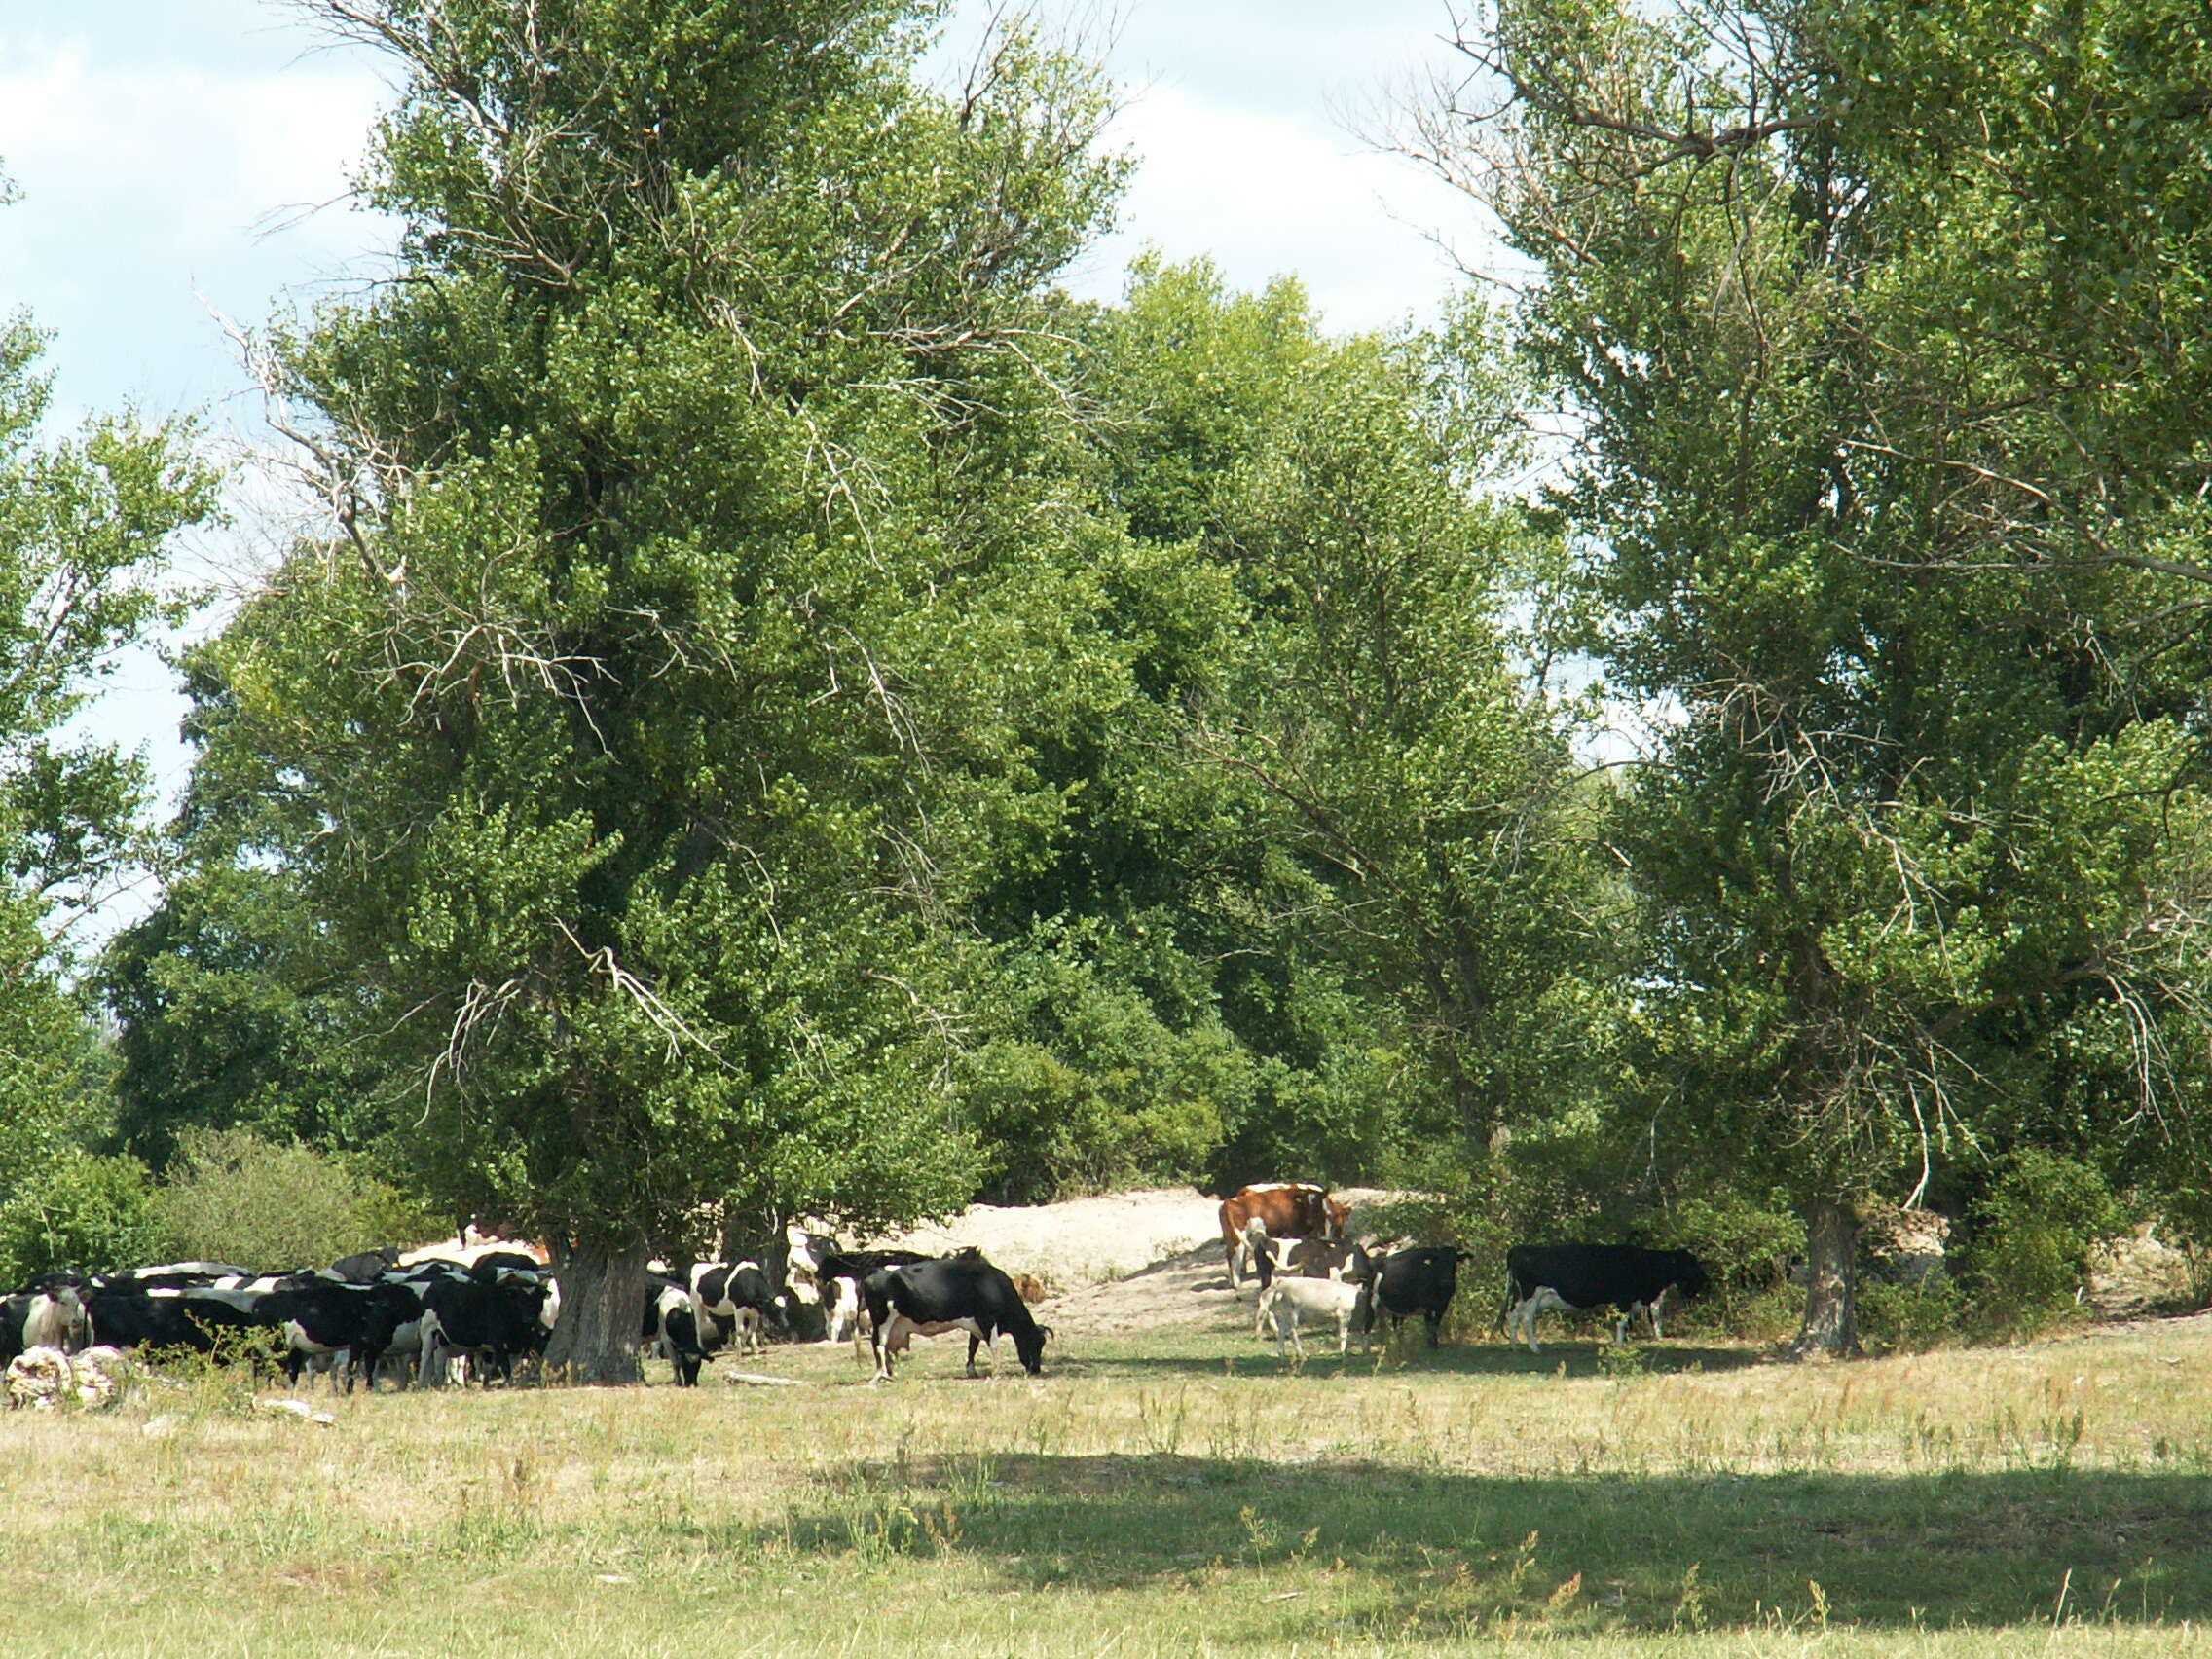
{"x":1161,"y":1493}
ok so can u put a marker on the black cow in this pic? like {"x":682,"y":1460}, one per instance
{"x":494,"y":1322}
{"x":961,"y":1293}
{"x":1419,"y":1280}
{"x":127,"y":1314}
{"x":1569,"y":1278}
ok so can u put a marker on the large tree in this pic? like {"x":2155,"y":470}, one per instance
{"x":84,"y":527}
{"x":1882,"y":331}
{"x":1393,"y":872}
{"x":703,"y":571}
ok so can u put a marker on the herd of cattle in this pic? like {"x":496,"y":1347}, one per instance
{"x":380,"y":1314}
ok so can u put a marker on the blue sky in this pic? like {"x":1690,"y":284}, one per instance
{"x":185,"y":161}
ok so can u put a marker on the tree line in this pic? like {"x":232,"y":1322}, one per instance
{"x":789,"y":713}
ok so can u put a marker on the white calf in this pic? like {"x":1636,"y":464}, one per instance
{"x":1287,"y":1300}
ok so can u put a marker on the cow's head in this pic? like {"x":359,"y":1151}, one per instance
{"x":1030,"y":1345}
{"x":1690,"y":1279}
{"x":1336,"y":1217}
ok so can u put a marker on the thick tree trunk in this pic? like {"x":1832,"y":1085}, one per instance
{"x":1831,"y":1290}
{"x":602,"y":1308}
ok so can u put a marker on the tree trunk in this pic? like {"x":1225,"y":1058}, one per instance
{"x":603,"y":1308}
{"x":1831,"y":1290}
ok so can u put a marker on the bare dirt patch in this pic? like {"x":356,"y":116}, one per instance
{"x":1128,"y":1261}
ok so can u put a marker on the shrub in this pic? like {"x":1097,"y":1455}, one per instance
{"x":2033,"y":1234}
{"x":1908,"y":1316}
{"x":92,"y":1214}
{"x":234,"y":1197}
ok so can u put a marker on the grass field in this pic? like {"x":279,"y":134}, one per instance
{"x":1163,"y":1495}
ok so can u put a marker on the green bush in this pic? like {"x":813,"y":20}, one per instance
{"x":233,"y":1196}
{"x":2031,"y":1234}
{"x":1909,"y":1317}
{"x":92,"y":1214}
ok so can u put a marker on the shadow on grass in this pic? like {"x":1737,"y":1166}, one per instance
{"x":1491,"y":1360}
{"x":1385,"y":1546}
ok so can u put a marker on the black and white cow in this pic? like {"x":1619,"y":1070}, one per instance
{"x":1419,"y":1280}
{"x":342,"y":1326}
{"x":496,"y":1323}
{"x":961,"y":1293}
{"x":736,"y":1299}
{"x":1540,"y":1279}
{"x":671,"y":1327}
{"x":842,"y":1275}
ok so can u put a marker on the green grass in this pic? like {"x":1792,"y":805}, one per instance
{"x":1169,"y":1494}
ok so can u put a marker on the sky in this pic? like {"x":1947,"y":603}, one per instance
{"x":183,"y":167}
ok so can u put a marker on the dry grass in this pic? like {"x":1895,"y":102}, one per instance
{"x":1169,"y":1494}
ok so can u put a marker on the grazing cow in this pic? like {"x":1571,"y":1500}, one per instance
{"x":671,"y":1327}
{"x":1319,"y":1301}
{"x":956,"y":1294}
{"x":1287,"y":1210}
{"x":1418,"y":1280}
{"x":1568,"y":1277}
{"x":496,"y":1322}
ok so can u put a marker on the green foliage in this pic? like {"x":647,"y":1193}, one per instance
{"x":1914,"y":1316}
{"x":2031,"y":1234}
{"x":1375,"y":834}
{"x":1892,"y":492}
{"x":84,"y":521}
{"x":82,"y":1212}
{"x":712,"y":585}
{"x":233,"y":1196}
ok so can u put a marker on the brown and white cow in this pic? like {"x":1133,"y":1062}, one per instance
{"x":1287,"y":1210}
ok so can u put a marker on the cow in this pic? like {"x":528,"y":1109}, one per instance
{"x":671,"y":1327}
{"x":366,"y":1267}
{"x":961,"y":1293}
{"x":1326,"y":1258}
{"x":735,"y":1298}
{"x":842,"y":1272}
{"x":1419,"y":1280}
{"x":1287,"y":1210}
{"x":1568,"y":1277}
{"x":1320,"y":1301}
{"x":496,"y":1322}
{"x":332,"y":1322}
{"x":51,"y":1315}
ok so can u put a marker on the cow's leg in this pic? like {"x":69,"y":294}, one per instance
{"x":1435,"y":1326}
{"x":1651,"y":1308}
{"x":1229,"y":1245}
{"x":1522,"y":1327}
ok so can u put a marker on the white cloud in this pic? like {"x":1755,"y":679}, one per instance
{"x":1269,"y":193}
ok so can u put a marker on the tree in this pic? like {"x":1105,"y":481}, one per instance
{"x":84,"y":525}
{"x":1879,"y":332}
{"x":1396,"y":872}
{"x":704,"y":571}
